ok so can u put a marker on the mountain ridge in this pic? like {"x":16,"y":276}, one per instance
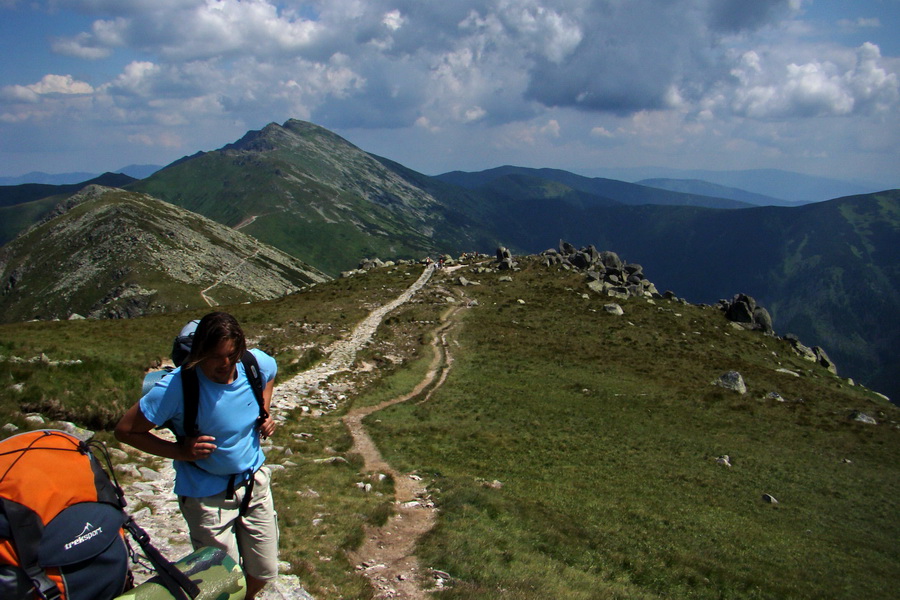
{"x":111,"y":253}
{"x":316,"y":196}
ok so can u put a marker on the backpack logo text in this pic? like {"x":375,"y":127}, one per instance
{"x":87,"y":533}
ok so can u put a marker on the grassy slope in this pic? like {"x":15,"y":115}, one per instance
{"x":286,"y":210}
{"x":603,"y":431}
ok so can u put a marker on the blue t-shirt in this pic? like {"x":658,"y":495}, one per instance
{"x":227,"y":412}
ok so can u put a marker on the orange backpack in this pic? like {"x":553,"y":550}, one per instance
{"x":62,"y":523}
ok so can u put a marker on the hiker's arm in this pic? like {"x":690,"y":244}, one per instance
{"x":136,"y":430}
{"x":267,"y":427}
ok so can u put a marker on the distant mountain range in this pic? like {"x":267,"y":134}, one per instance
{"x":135,"y":171}
{"x":826,"y":271}
{"x":704,"y":188}
{"x":786,"y":186}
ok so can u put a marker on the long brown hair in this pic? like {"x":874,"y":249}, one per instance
{"x":211,"y":331}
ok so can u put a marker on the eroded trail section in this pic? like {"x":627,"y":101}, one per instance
{"x":387,"y":557}
{"x":341,"y":354}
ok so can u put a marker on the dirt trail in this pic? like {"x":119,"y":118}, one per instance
{"x":160,"y":516}
{"x":387,"y":556}
{"x":209,"y":299}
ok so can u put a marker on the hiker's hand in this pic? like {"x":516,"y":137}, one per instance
{"x":267,"y":427}
{"x":198,"y":448}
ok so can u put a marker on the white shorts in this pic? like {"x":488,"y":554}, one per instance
{"x":251,"y":540}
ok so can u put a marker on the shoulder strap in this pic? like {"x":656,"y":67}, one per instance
{"x":190,"y":385}
{"x":251,"y":368}
{"x":27,"y":530}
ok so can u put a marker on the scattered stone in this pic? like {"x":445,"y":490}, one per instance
{"x":606,"y":273}
{"x":127,"y":469}
{"x":862,"y":417}
{"x":787,"y":372}
{"x":331,"y":460}
{"x":117,"y":454}
{"x":775,"y":396}
{"x":84,"y":435}
{"x":505,"y":260}
{"x":34,"y":420}
{"x":769,"y":498}
{"x":724,"y":460}
{"x":614,"y":309}
{"x":149,"y":474}
{"x":732,"y":380}
{"x":822,"y":359}
{"x":9,"y":428}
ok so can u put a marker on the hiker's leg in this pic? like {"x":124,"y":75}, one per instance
{"x":210,"y":522}
{"x":254,"y":586}
{"x":257,"y":534}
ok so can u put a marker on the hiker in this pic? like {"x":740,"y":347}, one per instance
{"x":223,"y":489}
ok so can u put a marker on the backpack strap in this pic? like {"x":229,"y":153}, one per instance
{"x":180,"y":586}
{"x":251,"y":368}
{"x":190,"y":384}
{"x":27,"y":530}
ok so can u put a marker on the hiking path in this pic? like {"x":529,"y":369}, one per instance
{"x":386,"y":556}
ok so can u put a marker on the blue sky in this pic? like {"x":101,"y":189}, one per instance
{"x":585,"y":85}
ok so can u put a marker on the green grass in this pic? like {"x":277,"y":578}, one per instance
{"x":603,"y":433}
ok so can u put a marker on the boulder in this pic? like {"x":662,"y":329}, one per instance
{"x":823,"y":359}
{"x":763,"y":319}
{"x":732,"y":380}
{"x":861,"y":417}
{"x":611,"y":260}
{"x":740,"y":310}
{"x":614,"y":309}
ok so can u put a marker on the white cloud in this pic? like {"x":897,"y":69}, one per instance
{"x":532,"y":72}
{"x":49,"y":84}
{"x":393,"y":20}
{"x":816,"y":88}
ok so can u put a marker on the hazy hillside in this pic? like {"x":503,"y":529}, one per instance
{"x":133,"y":171}
{"x":604,"y":189}
{"x":23,"y":205}
{"x":786,"y":185}
{"x":28,"y":192}
{"x":111,"y":253}
{"x":696,"y":186}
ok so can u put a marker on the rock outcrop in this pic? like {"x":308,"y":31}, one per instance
{"x":606,"y":272}
{"x":743,"y":309}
